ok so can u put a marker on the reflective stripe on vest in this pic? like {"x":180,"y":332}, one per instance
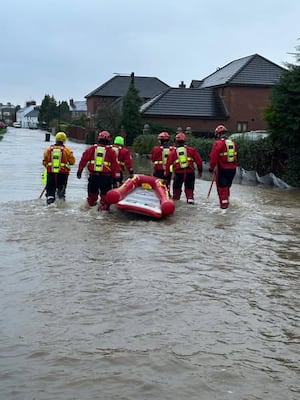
{"x":182,"y":159}
{"x":55,"y":159}
{"x":99,"y":157}
{"x":230,"y":152}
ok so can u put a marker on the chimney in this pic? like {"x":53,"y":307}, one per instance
{"x":72,"y":103}
{"x":30,"y":103}
{"x":182,"y":84}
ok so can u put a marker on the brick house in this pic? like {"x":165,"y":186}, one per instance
{"x":234,"y":95}
{"x":113,"y":91}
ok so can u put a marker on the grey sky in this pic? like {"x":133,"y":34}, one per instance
{"x":67,"y":48}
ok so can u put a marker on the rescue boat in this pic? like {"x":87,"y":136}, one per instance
{"x":142,"y":194}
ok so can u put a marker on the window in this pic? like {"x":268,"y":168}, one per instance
{"x":242,"y":126}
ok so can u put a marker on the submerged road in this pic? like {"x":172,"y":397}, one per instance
{"x":201,"y":305}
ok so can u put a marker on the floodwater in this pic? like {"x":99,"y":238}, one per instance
{"x":201,"y":305}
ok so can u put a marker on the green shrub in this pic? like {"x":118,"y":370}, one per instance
{"x":203,"y":145}
{"x":253,"y":155}
{"x":2,"y":131}
{"x":256,"y":155}
{"x":143,"y":144}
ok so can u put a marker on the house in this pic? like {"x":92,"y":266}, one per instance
{"x":195,"y":108}
{"x":31,"y":119}
{"x":28,"y":115}
{"x":234,"y":95}
{"x":77,"y":108}
{"x":113,"y":91}
{"x":7,"y":113}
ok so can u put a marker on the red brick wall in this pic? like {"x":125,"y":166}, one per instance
{"x":199,"y":125}
{"x":246,"y":104}
{"x":77,"y":132}
{"x":93,"y":103}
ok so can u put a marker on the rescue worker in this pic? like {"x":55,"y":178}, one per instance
{"x":57,"y":160}
{"x":159,"y":155}
{"x":181,"y":160}
{"x":124,"y":159}
{"x":103,"y":167}
{"x":223,"y":161}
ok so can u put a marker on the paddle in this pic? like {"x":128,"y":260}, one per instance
{"x":43,"y":191}
{"x":211,"y":185}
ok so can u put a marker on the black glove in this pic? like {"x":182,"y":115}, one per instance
{"x":116,"y":183}
{"x":167,"y":180}
{"x":210,"y":170}
{"x":131,"y":173}
{"x":79,"y":174}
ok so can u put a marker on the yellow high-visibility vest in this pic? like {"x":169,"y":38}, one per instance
{"x":230,"y":151}
{"x":55,"y":161}
{"x":182,"y":159}
{"x":99,"y":157}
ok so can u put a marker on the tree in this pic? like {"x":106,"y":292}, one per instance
{"x":63,"y":112}
{"x":80,"y":121}
{"x":296,"y":54}
{"x":48,"y":110}
{"x":131,"y":117}
{"x":283,"y":117}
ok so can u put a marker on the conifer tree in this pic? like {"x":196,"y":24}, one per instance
{"x":131,"y":117}
{"x":283,"y":117}
{"x":48,"y":110}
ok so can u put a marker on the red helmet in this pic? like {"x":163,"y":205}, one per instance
{"x":180,"y":137}
{"x":163,"y":136}
{"x":104,"y":135}
{"x":219,"y":129}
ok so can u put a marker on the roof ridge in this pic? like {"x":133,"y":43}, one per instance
{"x":100,"y":87}
{"x":154,"y":100}
{"x":250,"y":58}
{"x":226,"y":65}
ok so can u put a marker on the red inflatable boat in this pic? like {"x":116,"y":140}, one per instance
{"x":143,"y":194}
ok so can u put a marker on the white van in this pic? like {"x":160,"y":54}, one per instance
{"x":17,"y":124}
{"x":251,"y":135}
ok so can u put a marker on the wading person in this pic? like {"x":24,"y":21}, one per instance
{"x":223,"y":162}
{"x":159,"y":155}
{"x":124,"y":158}
{"x":58,"y":159}
{"x":103,"y":167}
{"x":181,"y":161}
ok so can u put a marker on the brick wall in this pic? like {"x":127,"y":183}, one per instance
{"x":246,"y":104}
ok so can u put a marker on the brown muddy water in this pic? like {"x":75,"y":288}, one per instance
{"x":201,"y":305}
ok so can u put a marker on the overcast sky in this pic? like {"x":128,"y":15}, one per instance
{"x":67,"y":48}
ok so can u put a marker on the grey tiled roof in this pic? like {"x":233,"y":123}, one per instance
{"x":78,"y":106}
{"x":118,"y":86}
{"x":251,"y":70}
{"x":33,"y":113}
{"x":204,"y":103}
{"x":195,"y":83}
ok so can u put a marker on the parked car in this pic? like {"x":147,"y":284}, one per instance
{"x":17,"y":124}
